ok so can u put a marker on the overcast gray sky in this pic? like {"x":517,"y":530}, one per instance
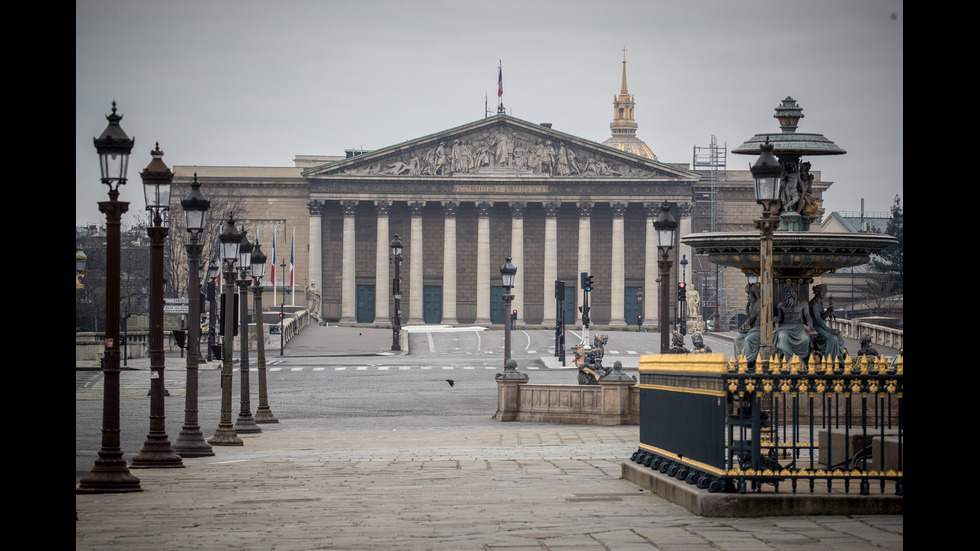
{"x":254,"y":83}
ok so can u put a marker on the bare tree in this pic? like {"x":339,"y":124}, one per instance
{"x":176,"y":261}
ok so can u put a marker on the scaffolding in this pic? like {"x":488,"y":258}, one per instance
{"x":708,"y":278}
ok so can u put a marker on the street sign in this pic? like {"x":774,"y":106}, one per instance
{"x":175,"y":309}
{"x":178,"y":300}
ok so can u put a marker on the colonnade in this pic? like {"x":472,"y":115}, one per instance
{"x":485,"y":264}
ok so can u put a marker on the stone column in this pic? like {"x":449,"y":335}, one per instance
{"x":584,"y":251}
{"x":348,"y":304}
{"x":416,"y":288}
{"x":551,"y":209}
{"x":617,"y":283}
{"x":382,"y":276}
{"x":651,"y":289}
{"x":517,"y":257}
{"x":483,"y":263}
{"x":449,"y":264}
{"x":315,"y":271}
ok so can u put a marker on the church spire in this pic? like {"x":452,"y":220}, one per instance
{"x":623,"y":90}
{"x":623,"y":125}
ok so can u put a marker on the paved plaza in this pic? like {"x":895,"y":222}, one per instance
{"x":474,"y":484}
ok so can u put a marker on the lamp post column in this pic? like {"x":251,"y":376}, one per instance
{"x":110,"y":473}
{"x":768,"y":174}
{"x":245,"y":422}
{"x":190,"y":442}
{"x":157,"y":452}
{"x":666,"y":227}
{"x":230,"y":239}
{"x":282,"y":307}
{"x":508,"y":273}
{"x":263,"y":414}
{"x":396,"y":289}
{"x":664,"y":265}
{"x":766,"y":226}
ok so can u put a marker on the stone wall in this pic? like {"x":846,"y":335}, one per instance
{"x":608,"y":403}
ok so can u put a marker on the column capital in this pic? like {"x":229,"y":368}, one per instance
{"x":551,"y":208}
{"x":618,"y":208}
{"x":585,"y":208}
{"x":449,"y":208}
{"x":483,"y":208}
{"x":416,"y":207}
{"x":349,"y":207}
{"x":383,"y":207}
{"x":315,"y":207}
{"x":652,"y":209}
{"x":517,"y":208}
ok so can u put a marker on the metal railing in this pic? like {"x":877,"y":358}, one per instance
{"x":827,"y":428}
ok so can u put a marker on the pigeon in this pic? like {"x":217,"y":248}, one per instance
{"x":451,"y":382}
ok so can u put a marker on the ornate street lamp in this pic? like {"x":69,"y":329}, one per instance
{"x":157,"y":452}
{"x":263,"y":414}
{"x":396,"y":320}
{"x":245,"y":422}
{"x":110,"y":473}
{"x":229,"y":241}
{"x":190,"y":441}
{"x":508,"y":274}
{"x":768,"y":173}
{"x":666,"y":228}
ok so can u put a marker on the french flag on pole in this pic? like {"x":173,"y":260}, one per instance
{"x":500,"y":81}
{"x":291,"y":246}
{"x":273,"y":277}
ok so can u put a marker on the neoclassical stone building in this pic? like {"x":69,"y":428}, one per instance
{"x":462,"y":199}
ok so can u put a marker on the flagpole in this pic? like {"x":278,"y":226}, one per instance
{"x":500,"y":88}
{"x":292,"y":282}
{"x":273,"y":278}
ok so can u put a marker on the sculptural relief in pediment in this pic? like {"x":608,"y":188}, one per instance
{"x":498,"y":152}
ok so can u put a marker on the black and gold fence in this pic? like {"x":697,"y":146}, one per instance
{"x":725,"y":428}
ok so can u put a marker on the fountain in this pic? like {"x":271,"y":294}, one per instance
{"x":797,"y":254}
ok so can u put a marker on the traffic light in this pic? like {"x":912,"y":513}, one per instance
{"x":681,"y":292}
{"x":588,"y":283}
{"x":639,"y":319}
{"x":582,"y":278}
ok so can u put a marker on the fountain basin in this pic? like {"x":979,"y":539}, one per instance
{"x":795,"y":254}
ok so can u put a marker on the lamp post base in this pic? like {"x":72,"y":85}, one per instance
{"x":264,"y":415}
{"x":157,"y":454}
{"x":246,"y":424}
{"x":110,"y":475}
{"x":225,"y":436}
{"x":191,"y":443}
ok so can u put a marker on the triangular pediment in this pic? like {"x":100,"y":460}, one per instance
{"x":501,"y":146}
